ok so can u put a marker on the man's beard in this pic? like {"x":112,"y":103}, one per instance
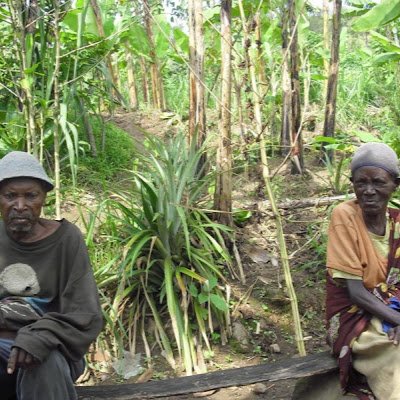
{"x":18,"y":227}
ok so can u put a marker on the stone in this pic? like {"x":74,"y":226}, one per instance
{"x":240,"y":334}
{"x":260,"y":388}
{"x":274,"y":348}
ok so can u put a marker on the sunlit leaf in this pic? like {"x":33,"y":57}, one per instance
{"x":384,"y":12}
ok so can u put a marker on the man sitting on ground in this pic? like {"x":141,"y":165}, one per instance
{"x":49,"y":305}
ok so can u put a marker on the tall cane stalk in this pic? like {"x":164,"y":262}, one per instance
{"x":265,"y":171}
{"x":56,"y":113}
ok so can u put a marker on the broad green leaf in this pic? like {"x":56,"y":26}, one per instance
{"x":193,"y":290}
{"x":241,"y":215}
{"x":387,"y":57}
{"x":366,"y":136}
{"x":383,"y":13}
{"x":202,"y":298}
{"x":211,"y":283}
{"x":353,"y":12}
{"x":273,"y":35}
{"x":211,"y":13}
{"x":71,"y":19}
{"x":162,"y":33}
{"x":388,"y":45}
{"x":325,"y":139}
{"x":181,"y":40}
{"x":219,"y":302}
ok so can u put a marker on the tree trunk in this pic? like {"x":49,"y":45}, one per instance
{"x":156,"y":79}
{"x":133,"y":100}
{"x":330,"y":110}
{"x":145,"y":83}
{"x":286,"y":128}
{"x":100,"y":28}
{"x":260,"y":65}
{"x":325,"y":12}
{"x":197,"y":111}
{"x":296,"y":136}
{"x":291,"y":138}
{"x":24,"y":25}
{"x":238,"y":95}
{"x":223,"y":190}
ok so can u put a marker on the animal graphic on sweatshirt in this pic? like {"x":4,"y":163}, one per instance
{"x":18,"y":305}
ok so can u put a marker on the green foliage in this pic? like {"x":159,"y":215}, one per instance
{"x":315,"y":264}
{"x":116,"y":152}
{"x":171,"y":255}
{"x":381,"y":14}
{"x":241,"y":216}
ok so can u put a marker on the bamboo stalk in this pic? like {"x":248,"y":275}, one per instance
{"x":223,"y":187}
{"x":27,"y":81}
{"x":56,"y":112}
{"x":271,"y":196}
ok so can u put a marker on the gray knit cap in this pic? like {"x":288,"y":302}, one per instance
{"x":18,"y":164}
{"x":376,"y":155}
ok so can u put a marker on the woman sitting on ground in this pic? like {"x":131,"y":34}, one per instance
{"x":363,"y":279}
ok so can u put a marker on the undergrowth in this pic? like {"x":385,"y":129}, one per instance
{"x":115,"y":153}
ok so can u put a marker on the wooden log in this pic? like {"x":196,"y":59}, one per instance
{"x":287,"y":369}
{"x":304,"y":203}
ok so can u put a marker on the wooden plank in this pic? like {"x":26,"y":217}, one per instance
{"x":286,"y":369}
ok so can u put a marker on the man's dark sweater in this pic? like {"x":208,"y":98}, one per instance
{"x":48,"y":293}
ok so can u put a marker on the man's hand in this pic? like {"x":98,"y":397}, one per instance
{"x":20,"y":358}
{"x":394,"y":335}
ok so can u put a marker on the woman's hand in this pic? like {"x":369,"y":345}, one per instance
{"x":394,"y":335}
{"x":363,"y":298}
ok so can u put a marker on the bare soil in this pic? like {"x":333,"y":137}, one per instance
{"x":261,"y":303}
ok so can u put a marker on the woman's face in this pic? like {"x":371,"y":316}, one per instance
{"x":373,"y":187}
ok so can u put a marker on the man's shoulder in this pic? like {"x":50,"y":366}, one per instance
{"x":70,"y":229}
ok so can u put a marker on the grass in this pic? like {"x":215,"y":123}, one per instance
{"x":116,"y":152}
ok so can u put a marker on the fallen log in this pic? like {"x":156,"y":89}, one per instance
{"x":304,"y":203}
{"x":299,"y":367}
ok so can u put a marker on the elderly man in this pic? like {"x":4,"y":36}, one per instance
{"x":49,"y":305}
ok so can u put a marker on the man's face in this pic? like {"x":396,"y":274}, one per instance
{"x":373,"y":187}
{"x":21,"y":202}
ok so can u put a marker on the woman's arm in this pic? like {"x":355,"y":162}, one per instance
{"x":360,"y":296}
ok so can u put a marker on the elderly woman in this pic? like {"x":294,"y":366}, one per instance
{"x":363,"y":279}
